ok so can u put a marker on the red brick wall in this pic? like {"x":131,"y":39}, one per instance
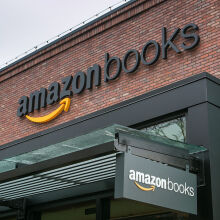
{"x":129,"y":28}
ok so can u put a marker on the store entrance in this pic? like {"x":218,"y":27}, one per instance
{"x":111,"y":209}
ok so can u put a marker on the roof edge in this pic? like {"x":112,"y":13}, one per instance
{"x":68,"y":34}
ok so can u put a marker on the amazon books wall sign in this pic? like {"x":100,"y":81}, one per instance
{"x":154,"y":183}
{"x":81,"y":81}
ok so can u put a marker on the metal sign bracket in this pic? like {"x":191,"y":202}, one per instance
{"x":179,"y":158}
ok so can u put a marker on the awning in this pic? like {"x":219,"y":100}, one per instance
{"x":86,"y":164}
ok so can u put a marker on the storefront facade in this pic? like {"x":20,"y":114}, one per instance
{"x":151,"y":66}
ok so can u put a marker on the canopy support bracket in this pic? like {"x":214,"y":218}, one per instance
{"x":176,"y":157}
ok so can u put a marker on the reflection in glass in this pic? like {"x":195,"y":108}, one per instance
{"x":79,"y":211}
{"x":174,"y":129}
{"x":123,"y":209}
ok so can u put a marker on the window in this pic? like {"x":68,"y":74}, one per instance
{"x":174,"y":129}
{"x":77,"y":211}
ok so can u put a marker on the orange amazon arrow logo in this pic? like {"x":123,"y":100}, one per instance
{"x":152,"y":188}
{"x":64,"y":106}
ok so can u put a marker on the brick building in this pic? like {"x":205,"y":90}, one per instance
{"x":149,"y":65}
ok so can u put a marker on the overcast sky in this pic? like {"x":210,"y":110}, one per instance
{"x":27,"y":23}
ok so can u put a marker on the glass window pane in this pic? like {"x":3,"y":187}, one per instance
{"x":133,"y":210}
{"x":174,"y":129}
{"x":123,"y":208}
{"x":80,"y":211}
